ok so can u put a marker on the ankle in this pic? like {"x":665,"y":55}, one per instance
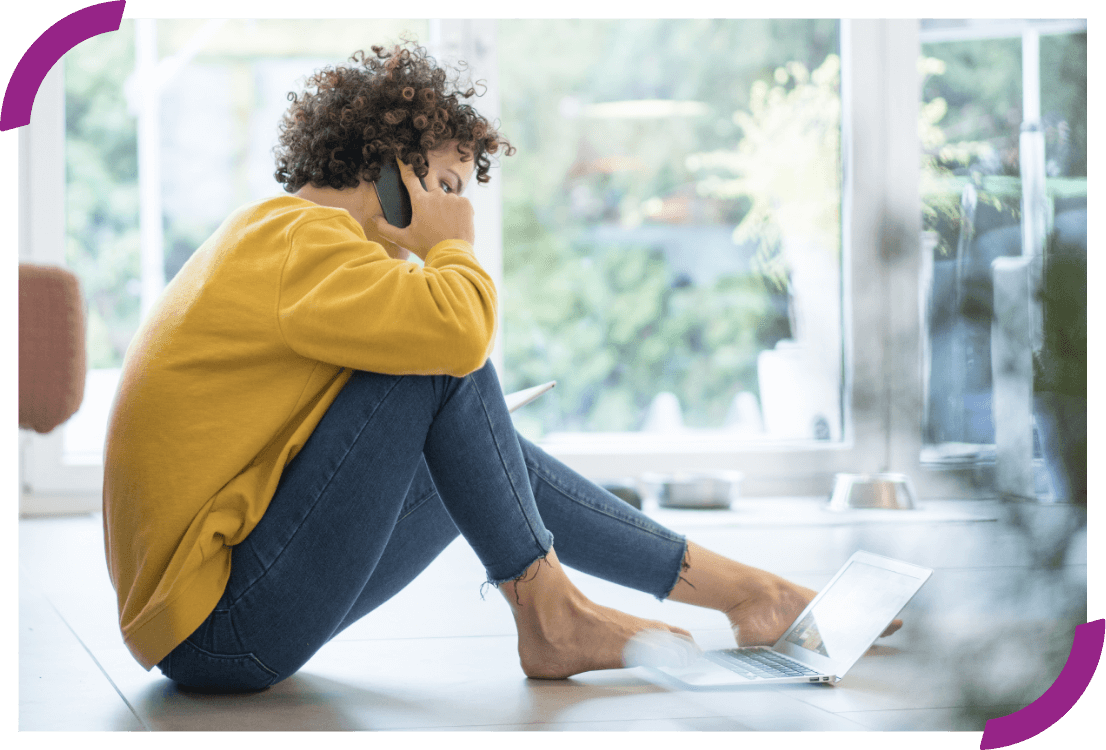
{"x":710,"y":580}
{"x":542,"y":588}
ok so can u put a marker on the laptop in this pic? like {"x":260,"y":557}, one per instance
{"x":826,"y":639}
{"x":521,"y":398}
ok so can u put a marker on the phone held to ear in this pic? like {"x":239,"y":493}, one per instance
{"x":393,"y":196}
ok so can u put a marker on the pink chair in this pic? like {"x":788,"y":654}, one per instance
{"x":52,"y":358}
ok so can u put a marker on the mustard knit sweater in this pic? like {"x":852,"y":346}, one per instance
{"x":233,"y":369}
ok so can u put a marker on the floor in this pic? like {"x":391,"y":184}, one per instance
{"x":986,"y":636}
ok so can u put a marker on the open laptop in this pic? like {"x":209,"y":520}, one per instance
{"x":526,"y":395}
{"x":825,"y":640}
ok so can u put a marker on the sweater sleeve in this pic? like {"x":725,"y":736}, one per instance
{"x":345,"y":301}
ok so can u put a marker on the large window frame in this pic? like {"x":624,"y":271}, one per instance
{"x":881,"y":286}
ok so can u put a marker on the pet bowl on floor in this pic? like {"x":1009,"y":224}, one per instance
{"x":888,"y":491}
{"x":693,"y":489}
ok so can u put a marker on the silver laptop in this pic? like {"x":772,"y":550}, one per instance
{"x":826,"y":639}
{"x":526,"y":395}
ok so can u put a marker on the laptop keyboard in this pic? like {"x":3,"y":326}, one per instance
{"x":763,"y":663}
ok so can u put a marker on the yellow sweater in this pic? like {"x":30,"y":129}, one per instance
{"x":233,"y":369}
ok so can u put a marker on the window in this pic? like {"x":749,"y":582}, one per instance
{"x":689,"y":171}
{"x":990,"y":88}
{"x":676,"y":200}
{"x":636,"y":174}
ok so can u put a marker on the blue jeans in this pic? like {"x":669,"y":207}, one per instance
{"x":398,"y":466}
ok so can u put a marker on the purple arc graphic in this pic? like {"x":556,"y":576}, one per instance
{"x":47,"y":50}
{"x":1061,"y":695}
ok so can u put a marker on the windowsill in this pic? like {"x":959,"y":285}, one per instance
{"x":700,"y":441}
{"x":33,"y":505}
{"x":812,"y":511}
{"x":958,"y":454}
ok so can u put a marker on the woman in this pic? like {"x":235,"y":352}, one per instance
{"x":307,"y":419}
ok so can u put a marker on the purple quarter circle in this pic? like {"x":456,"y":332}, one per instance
{"x":1042,"y":713}
{"x":47,"y":50}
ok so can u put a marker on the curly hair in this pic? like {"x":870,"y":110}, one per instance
{"x":395,"y":103}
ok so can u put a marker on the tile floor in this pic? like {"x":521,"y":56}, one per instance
{"x":986,"y":635}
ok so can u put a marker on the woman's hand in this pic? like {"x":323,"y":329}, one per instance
{"x":435,"y":216}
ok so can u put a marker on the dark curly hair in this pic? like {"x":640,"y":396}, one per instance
{"x":395,"y":103}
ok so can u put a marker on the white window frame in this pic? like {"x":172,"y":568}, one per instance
{"x":881,"y":243}
{"x":48,"y":484}
{"x":881,"y":256}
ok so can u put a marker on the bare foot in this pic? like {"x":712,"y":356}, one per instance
{"x":583,"y":637}
{"x":760,"y":619}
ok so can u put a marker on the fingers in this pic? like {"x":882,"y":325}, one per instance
{"x":410,"y":179}
{"x":406,"y":171}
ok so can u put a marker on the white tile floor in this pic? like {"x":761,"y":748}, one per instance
{"x":438,"y":657}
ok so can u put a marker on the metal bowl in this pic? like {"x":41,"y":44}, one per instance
{"x":888,"y":491}
{"x":700,"y":489}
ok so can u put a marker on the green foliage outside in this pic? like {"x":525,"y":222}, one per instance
{"x":787,"y":163}
{"x":613,"y":323}
{"x":609,"y":326}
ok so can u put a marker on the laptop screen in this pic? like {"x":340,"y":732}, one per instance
{"x":853,"y":612}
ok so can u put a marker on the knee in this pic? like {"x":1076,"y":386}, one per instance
{"x":487,"y":368}
{"x":486,"y":374}
{"x":528,"y":448}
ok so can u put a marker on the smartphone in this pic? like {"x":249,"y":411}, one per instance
{"x":393,"y":195}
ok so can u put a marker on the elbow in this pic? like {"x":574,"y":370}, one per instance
{"x":468,"y":358}
{"x":480,"y":350}
{"x":476,"y":343}
{"x":473,"y":364}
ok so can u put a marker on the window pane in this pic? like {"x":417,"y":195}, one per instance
{"x":972,"y":113}
{"x":672,"y":225}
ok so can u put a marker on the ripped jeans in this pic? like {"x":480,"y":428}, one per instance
{"x":395,"y":470}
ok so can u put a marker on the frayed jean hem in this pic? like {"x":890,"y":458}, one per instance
{"x":497,"y":582}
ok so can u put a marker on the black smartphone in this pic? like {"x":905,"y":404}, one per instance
{"x":393,"y":195}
